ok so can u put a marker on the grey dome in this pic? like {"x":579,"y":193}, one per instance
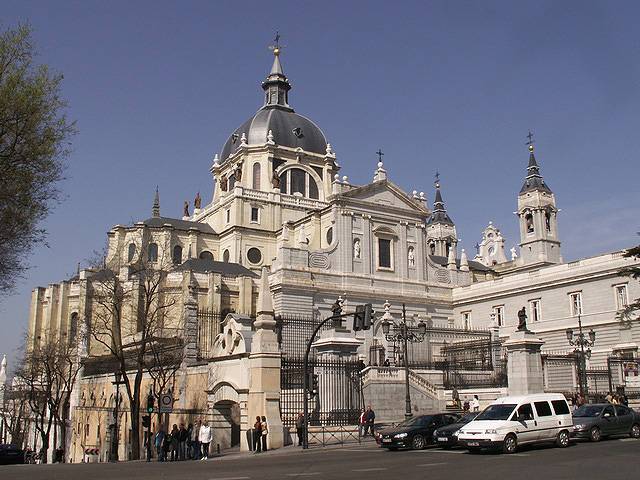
{"x":288,"y":128}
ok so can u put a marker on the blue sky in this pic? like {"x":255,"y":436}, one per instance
{"x":156,"y":88}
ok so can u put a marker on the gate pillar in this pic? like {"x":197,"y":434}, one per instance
{"x":524,"y":363}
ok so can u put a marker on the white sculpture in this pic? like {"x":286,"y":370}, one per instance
{"x":514,"y":253}
{"x":356,"y":248}
{"x":412,"y":257}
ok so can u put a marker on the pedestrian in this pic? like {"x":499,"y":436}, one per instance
{"x":625,"y":400}
{"x":159,"y":443}
{"x":174,"y":441}
{"x":362,"y":422}
{"x":189,"y":435}
{"x":609,"y":398}
{"x":257,"y":435}
{"x":300,"y":426}
{"x":265,"y":431}
{"x":465,"y":405}
{"x":475,"y":404}
{"x":370,"y":418}
{"x":183,"y":436}
{"x":455,"y":396}
{"x":204,"y":437}
{"x":196,"y":452}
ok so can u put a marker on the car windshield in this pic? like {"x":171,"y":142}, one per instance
{"x":467,"y":418}
{"x":496,"y":412}
{"x":588,"y":411}
{"x":412,"y":422}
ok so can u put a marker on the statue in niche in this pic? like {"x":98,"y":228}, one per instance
{"x":197,"y":202}
{"x":514,"y":253}
{"x":411,"y":257}
{"x":185,"y":210}
{"x":522,"y":320}
{"x":275,"y":180}
{"x":356,"y":248}
{"x":239,"y":172}
{"x":223,"y":183}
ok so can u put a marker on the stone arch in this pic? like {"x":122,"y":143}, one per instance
{"x":227,"y":412}
{"x":312,"y":175}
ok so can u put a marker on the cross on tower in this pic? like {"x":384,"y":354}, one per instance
{"x":380,"y":154}
{"x":530,"y":137}
{"x":477,"y":247}
{"x":276,"y":47}
{"x":437,"y":179}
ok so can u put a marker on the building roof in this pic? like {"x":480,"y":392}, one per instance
{"x":178,"y":223}
{"x":204,"y":265}
{"x":473,"y":265}
{"x":439,"y":214}
{"x":289,"y":129}
{"x":534,"y":180}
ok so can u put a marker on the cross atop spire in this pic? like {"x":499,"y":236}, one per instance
{"x":277,"y":86}
{"x":534,"y":180}
{"x":439,"y":214}
{"x":530,"y":142}
{"x":437,"y":179}
{"x":155,"y":211}
{"x":380,"y":154}
{"x":276,"y":47}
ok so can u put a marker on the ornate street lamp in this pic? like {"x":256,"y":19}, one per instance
{"x":582,"y":343}
{"x":402,"y":333}
{"x":116,"y":437}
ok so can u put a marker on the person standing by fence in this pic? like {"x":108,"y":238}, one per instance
{"x":362,"y":422}
{"x":300,"y":425}
{"x":257,"y":435}
{"x":265,"y":431}
{"x":370,"y":417}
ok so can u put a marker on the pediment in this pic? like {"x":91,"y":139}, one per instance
{"x":385,"y":193}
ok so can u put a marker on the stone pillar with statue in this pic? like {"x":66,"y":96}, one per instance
{"x":524,"y":359}
{"x":265,"y":364}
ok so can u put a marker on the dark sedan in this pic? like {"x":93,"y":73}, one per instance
{"x":416,"y":432}
{"x":446,"y":436}
{"x":600,"y":420}
{"x":10,"y":454}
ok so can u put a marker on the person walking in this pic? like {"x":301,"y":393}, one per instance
{"x":265,"y":431}
{"x":196,"y":452}
{"x":257,"y":435}
{"x":174,"y":441}
{"x":370,"y":418}
{"x":455,"y":397}
{"x":204,"y":437}
{"x":159,"y":443}
{"x":300,"y":425}
{"x":189,"y":435}
{"x":475,"y":404}
{"x":362,"y":422}
{"x":183,"y":436}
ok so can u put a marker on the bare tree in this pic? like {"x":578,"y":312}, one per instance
{"x":130,"y":307}
{"x":14,"y":412}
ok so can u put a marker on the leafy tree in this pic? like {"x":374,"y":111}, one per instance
{"x":629,"y":313}
{"x":34,"y":142}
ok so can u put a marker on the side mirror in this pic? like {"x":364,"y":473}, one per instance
{"x":606,"y":415}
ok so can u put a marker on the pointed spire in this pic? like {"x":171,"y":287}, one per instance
{"x":464,"y":261}
{"x":276,"y":86}
{"x":534,"y":180}
{"x":451,"y":259}
{"x":3,"y":371}
{"x":264,"y":308}
{"x":155,"y":211}
{"x":439,"y":214}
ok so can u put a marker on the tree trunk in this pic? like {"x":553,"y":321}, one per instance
{"x":135,"y":432}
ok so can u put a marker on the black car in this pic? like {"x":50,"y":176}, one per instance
{"x":416,"y":432}
{"x":446,"y":436}
{"x":10,"y":454}
{"x":599,"y":420}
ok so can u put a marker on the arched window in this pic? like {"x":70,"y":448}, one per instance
{"x":547,"y":220}
{"x":232,"y":182}
{"x":206,"y":255}
{"x":73,"y":328}
{"x":177,"y":255}
{"x":256,"y":176}
{"x":432,"y":248}
{"x":447,"y":248}
{"x":152,"y":252}
{"x":329,"y":235}
{"x":528,"y":218}
{"x":132,"y":252}
{"x":225,"y":256}
{"x":296,"y":180}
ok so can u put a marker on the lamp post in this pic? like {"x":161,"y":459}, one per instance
{"x":583,"y":343}
{"x":116,"y":437}
{"x":402,"y":333}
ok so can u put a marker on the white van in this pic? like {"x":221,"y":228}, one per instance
{"x":512,"y":421}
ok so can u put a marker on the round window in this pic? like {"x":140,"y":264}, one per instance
{"x":254,"y":255}
{"x":330,"y":235}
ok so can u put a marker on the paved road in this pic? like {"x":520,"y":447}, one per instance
{"x":617,"y":458}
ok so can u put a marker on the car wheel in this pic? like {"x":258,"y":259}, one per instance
{"x":510,"y":444}
{"x":595,"y":434}
{"x":563,"y":439}
{"x":418,"y":442}
{"x":635,"y":431}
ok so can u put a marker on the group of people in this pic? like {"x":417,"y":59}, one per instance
{"x":190,"y":443}
{"x":260,"y":432}
{"x":472,"y":405}
{"x":367,"y":421}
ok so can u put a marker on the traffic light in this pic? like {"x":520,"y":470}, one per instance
{"x":150,"y":402}
{"x":362,"y":317}
{"x":146,"y":421}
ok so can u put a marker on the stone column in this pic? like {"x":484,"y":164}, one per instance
{"x":265,"y":366}
{"x":524,"y":363}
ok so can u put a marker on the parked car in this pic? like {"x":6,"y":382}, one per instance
{"x":513,"y":421}
{"x":600,"y":420}
{"x":447,"y":436}
{"x":10,"y":454}
{"x":416,"y":432}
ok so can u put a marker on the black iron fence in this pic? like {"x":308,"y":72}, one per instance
{"x":460,"y":377}
{"x":338,"y":397}
{"x":208,"y":328}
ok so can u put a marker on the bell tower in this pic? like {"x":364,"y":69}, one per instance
{"x":538,"y":216}
{"x":441,"y":231}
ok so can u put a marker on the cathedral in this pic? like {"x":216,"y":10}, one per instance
{"x":285,"y":237}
